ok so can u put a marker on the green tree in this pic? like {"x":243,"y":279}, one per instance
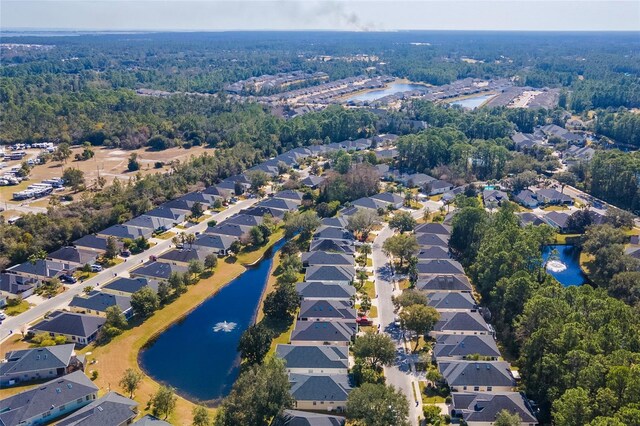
{"x":62,"y":152}
{"x":410,"y":297}
{"x":133,"y":164}
{"x":164,"y":401}
{"x":201,"y":416}
{"x":144,"y":302}
{"x":112,"y":249}
{"x":419,"y":318}
{"x":256,"y":236}
{"x":258,"y":179}
{"x":573,"y":408}
{"x":363,"y":222}
{"x":163,"y":292}
{"x":505,"y":418}
{"x":255,"y":343}
{"x":210,"y":261}
{"x":130,"y":381}
{"x":195,"y":267}
{"x":403,"y":222}
{"x":376,"y":349}
{"x":365,"y":250}
{"x":74,"y":178}
{"x":401,"y":246}
{"x":282,"y":303}
{"x":197,"y":210}
{"x":377,"y":405}
{"x":301,"y":222}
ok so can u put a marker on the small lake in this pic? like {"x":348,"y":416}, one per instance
{"x":473,"y":102}
{"x":201,"y":363}
{"x":391,"y":89}
{"x":568,"y":256}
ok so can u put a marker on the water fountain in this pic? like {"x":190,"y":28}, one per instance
{"x":555,"y":265}
{"x":227,"y":327}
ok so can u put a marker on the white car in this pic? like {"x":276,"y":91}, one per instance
{"x":2,"y":316}
{"x":96,"y":268}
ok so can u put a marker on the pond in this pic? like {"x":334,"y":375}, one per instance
{"x":472,"y":102}
{"x":197,"y":355}
{"x":565,"y":265}
{"x":390,"y":89}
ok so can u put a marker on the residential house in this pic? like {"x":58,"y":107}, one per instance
{"x":182,"y":257}
{"x":467,"y":322}
{"x":215,"y":192}
{"x":330,"y":274}
{"x":438,"y":187}
{"x":123,"y":286}
{"x":303,"y":418}
{"x":318,"y":333}
{"x":245,"y":220}
{"x":314,"y":359}
{"x":73,"y":258}
{"x":314,"y":258}
{"x":527,"y":218}
{"x":477,"y":376}
{"x":176,"y":216}
{"x":493,"y":198}
{"x":558,"y":220}
{"x":156,"y":270}
{"x":228,"y":229}
{"x":326,"y":310}
{"x":313,"y":181}
{"x":433,"y":252}
{"x":80,"y":329}
{"x":334,"y":222}
{"x":340,"y":246}
{"x":154,"y":223}
{"x":368,"y":203}
{"x":263,"y":210}
{"x":439,"y":267}
{"x":415,"y":180}
{"x":433,"y":228}
{"x":553,"y":130}
{"x":149,"y":420}
{"x":93,"y":243}
{"x":553,"y":197}
{"x":217,"y":244}
{"x":527,"y":141}
{"x":633,"y":252}
{"x":291,"y":195}
{"x":447,"y":301}
{"x":124,"y":231}
{"x":97,"y":303}
{"x":22,"y":366}
{"x":315,"y":392}
{"x":443,"y":283}
{"x":25,"y":277}
{"x":455,"y":346}
{"x":325,"y":291}
{"x":395,"y":200}
{"x":279,"y":204}
{"x":449,"y":196}
{"x":526,"y":198}
{"x":47,"y":402}
{"x":112,"y":409}
{"x":386,"y":154}
{"x":334,"y":234}
{"x":425,"y":240}
{"x":576,"y":154}
{"x":482,"y":409}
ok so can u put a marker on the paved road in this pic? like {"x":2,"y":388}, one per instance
{"x":63,"y":299}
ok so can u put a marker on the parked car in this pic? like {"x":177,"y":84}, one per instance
{"x":3,"y":316}
{"x":70,"y":279}
{"x":364,"y":321}
{"x":96,"y":268}
{"x":396,"y":321}
{"x":125,"y":253}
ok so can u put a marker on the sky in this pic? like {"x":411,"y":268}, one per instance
{"x":349,"y":15}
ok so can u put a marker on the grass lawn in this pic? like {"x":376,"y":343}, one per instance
{"x":562,"y":238}
{"x":166,"y":235}
{"x":436,"y":197}
{"x":404,"y":284}
{"x":23,"y":306}
{"x":555,"y":208}
{"x":584,"y":258}
{"x":428,"y":396}
{"x":252,"y":255}
{"x":282,"y":338}
{"x":373,"y":312}
{"x":370,"y":289}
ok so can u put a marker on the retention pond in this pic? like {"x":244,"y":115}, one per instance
{"x":563,"y":263}
{"x":198,"y":355}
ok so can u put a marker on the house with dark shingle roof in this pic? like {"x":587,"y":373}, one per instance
{"x":467,"y":322}
{"x":334,"y":222}
{"x":318,"y":333}
{"x":527,"y":218}
{"x":558,"y":220}
{"x":425,"y":240}
{"x":439,"y":267}
{"x":455,"y":346}
{"x":445,"y":301}
{"x":326,"y":258}
{"x":244,"y":220}
{"x":438,"y":186}
{"x":336,"y":274}
{"x":154,"y":223}
{"x":149,"y":420}
{"x":80,"y":329}
{"x":433,"y":252}
{"x":340,"y":246}
{"x":183,"y":256}
{"x":326,"y":310}
{"x":315,"y":392}
{"x":217,"y":244}
{"x":279,"y":203}
{"x":93,"y":242}
{"x":433,"y":228}
{"x":73,"y":258}
{"x":325,"y":291}
{"x":368,"y":203}
{"x":443,"y":283}
{"x":481,"y":409}
{"x":477,"y":376}
{"x":551,"y":196}
{"x":175,"y":215}
{"x":493,"y":198}
{"x":124,"y":231}
{"x":47,"y":402}
{"x":303,"y":418}
{"x":314,"y":359}
{"x":228,"y":229}
{"x":97,"y":303}
{"x":390,"y":198}
{"x":156,"y":270}
{"x":123,"y":286}
{"x":312,"y":181}
{"x":290,"y":194}
{"x":526,"y":198}
{"x":112,"y":409}
{"x":331,"y":233}
{"x":46,"y":363}
{"x":263,"y":210}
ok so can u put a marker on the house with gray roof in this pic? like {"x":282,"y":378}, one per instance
{"x":425,"y":240}
{"x":149,"y":420}
{"x":433,"y":252}
{"x":175,"y":215}
{"x":340,"y":246}
{"x":553,"y":130}
{"x":325,"y":291}
{"x":313,"y":181}
{"x":97,"y":303}
{"x":181,"y":204}
{"x":526,"y":141}
{"x":436,"y":282}
{"x":182,"y":256}
{"x":493,"y":198}
{"x":558,"y":220}
{"x":433,"y":228}
{"x":368,"y":203}
{"x":439,"y":267}
{"x":245,"y":220}
{"x":528,"y":218}
{"x":156,"y":270}
{"x":264,"y":210}
{"x":73,"y":258}
{"x":112,"y":409}
{"x":214,"y":192}
{"x":331,"y":233}
{"x":46,"y":363}
{"x":553,"y":197}
{"x":477,"y":376}
{"x":228,"y":229}
{"x":437,"y":186}
{"x":318,"y":333}
{"x":526,"y":198}
{"x":482,"y":409}
{"x":316,"y":392}
{"x":455,"y":346}
{"x":326,"y":258}
{"x":47,"y":402}
{"x":93,"y":243}
{"x":394,"y":200}
{"x":80,"y":329}
{"x":314,"y":359}
{"x":467,"y":322}
{"x":334,"y":222}
{"x":154,"y":223}
{"x":386,"y":154}
{"x":290,"y":194}
{"x":124,"y":231}
{"x":123,"y":286}
{"x":448,"y":301}
{"x":414,"y":180}
{"x":330,"y":273}
{"x":326,"y":310}
{"x":217,"y":244}
{"x":634,"y":252}
{"x":279,"y":203}
{"x":303,"y":418}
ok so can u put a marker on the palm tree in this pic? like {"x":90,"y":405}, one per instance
{"x":365,"y":250}
{"x":362,"y":276}
{"x":190,"y":239}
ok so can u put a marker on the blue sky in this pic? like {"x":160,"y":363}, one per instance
{"x":357,"y":15}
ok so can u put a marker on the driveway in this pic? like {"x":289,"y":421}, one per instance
{"x":13,"y":324}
